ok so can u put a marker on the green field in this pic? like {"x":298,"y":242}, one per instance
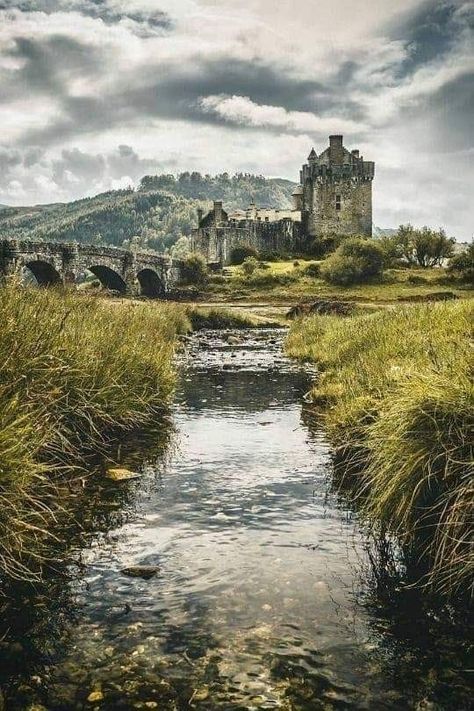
{"x":285,"y":282}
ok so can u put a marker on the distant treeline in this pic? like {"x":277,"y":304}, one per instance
{"x":154,"y":216}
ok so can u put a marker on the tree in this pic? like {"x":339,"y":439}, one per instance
{"x":462,"y":265}
{"x":424,"y":247}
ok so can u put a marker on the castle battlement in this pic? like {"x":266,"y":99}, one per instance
{"x":335,"y":195}
{"x":334,"y":198}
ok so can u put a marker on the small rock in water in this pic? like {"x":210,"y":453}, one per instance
{"x":121,"y":474}
{"x":141,"y":571}
{"x":95,"y":696}
{"x":201,"y":694}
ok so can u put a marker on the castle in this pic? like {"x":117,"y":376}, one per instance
{"x":334,"y":197}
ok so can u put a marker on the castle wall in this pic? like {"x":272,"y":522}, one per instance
{"x":355,"y":214}
{"x":216,"y":243}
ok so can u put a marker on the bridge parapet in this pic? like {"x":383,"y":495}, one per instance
{"x":118,"y":269}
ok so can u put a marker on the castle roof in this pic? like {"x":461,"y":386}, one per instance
{"x":312,"y":155}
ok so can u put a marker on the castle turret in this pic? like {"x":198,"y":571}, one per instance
{"x":297,"y":196}
{"x":336,"y":150}
{"x":337,"y":191}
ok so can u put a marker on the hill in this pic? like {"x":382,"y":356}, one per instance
{"x":154,"y":216}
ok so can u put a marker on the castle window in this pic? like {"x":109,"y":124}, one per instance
{"x":338,"y":202}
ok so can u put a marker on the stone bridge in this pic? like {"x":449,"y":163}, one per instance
{"x":120,"y":270}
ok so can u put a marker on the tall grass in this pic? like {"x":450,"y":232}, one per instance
{"x":398,"y":396}
{"x":71,"y":370}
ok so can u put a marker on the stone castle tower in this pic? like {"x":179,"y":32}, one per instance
{"x":335,"y":194}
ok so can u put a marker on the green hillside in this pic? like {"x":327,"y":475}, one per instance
{"x":154,"y":216}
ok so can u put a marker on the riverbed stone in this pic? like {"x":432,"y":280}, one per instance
{"x":141,"y":571}
{"x":95,"y":696}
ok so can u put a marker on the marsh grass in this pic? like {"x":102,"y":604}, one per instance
{"x":219,"y":318}
{"x":397,"y":392}
{"x":72,"y":370}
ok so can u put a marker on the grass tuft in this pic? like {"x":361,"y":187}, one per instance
{"x":71,"y":370}
{"x":398,"y":397}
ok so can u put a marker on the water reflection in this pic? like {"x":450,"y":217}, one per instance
{"x":258,"y":602}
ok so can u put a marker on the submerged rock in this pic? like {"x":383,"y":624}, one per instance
{"x":141,"y":571}
{"x":95,"y":696}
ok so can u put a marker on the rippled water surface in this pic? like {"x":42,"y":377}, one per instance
{"x":259,"y":601}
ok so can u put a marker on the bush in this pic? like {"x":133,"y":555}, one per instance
{"x":322,"y":246}
{"x":194,"y":270}
{"x":355,"y":261}
{"x":249,"y":266}
{"x":423,"y":247}
{"x":240,"y":253}
{"x":273,"y":256}
{"x":462,"y":265}
{"x":312,"y":270}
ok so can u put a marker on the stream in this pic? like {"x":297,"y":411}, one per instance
{"x":264,"y":596}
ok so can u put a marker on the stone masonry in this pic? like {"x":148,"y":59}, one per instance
{"x":335,"y":192}
{"x":117,"y":269}
{"x":334,"y":198}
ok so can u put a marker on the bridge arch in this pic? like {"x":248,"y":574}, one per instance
{"x":151,"y":284}
{"x":44,"y":272}
{"x":109,"y":278}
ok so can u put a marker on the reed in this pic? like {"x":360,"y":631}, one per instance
{"x":72,"y":369}
{"x":397,"y":393}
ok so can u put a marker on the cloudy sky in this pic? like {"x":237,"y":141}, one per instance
{"x":96,"y":93}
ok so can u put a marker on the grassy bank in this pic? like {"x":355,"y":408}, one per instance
{"x":397,"y":393}
{"x":71,"y":370}
{"x":295,"y":280}
{"x":219,"y":318}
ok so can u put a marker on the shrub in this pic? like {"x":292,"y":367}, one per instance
{"x":355,"y":261}
{"x":312,"y":270}
{"x":322,"y":246}
{"x":273,"y":256}
{"x":462,"y":265}
{"x":194,"y":270}
{"x":249,"y":266}
{"x":240,"y":253}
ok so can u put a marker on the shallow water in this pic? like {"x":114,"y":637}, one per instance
{"x":263,"y":597}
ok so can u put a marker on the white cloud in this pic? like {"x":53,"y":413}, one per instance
{"x":243,"y":111}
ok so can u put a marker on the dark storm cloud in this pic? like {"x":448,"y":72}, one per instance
{"x":48,"y":66}
{"x":153,"y":20}
{"x":174,"y":92}
{"x":431,"y":31}
{"x":452,"y":111}
{"x":85,"y":168}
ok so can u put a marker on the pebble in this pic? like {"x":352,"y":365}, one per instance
{"x":95,"y":696}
